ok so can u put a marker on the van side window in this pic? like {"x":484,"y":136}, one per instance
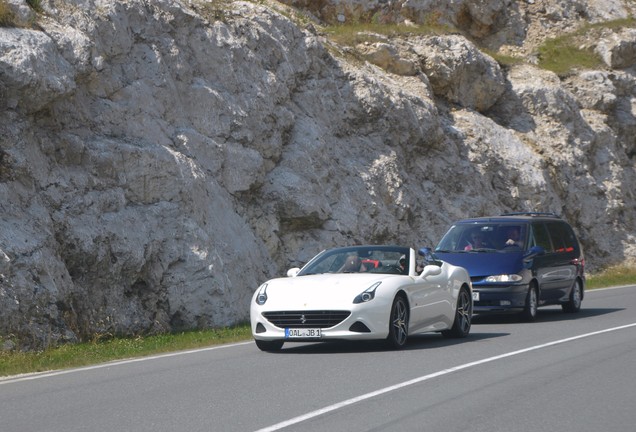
{"x":541,"y":236}
{"x":562,"y":238}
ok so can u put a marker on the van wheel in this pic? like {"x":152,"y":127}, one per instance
{"x":574,"y":304}
{"x":529,"y":313}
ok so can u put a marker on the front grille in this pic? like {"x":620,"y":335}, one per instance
{"x":308,"y":319}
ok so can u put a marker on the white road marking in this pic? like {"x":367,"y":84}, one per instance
{"x":38,"y":375}
{"x":608,"y":288}
{"x":382,"y":391}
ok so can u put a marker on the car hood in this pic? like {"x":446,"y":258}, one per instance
{"x":324,"y":291}
{"x":481,"y":264}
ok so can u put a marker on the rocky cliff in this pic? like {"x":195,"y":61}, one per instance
{"x":160,"y":159}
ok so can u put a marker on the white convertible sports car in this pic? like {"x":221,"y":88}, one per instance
{"x":362,"y":293}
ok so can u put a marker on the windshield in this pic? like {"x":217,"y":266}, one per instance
{"x":484,"y":237}
{"x":360,"y":259}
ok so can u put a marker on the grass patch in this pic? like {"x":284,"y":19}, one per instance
{"x":7,"y":18}
{"x":612,"y":276}
{"x":215,"y":10}
{"x":76,"y":355}
{"x":572,"y":51}
{"x":613,"y":25}
{"x":356,"y":33}
{"x":561,"y":56}
{"x":503,"y":59}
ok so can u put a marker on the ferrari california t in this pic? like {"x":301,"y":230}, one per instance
{"x":363,"y":293}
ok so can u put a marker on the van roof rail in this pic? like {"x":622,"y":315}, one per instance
{"x":544,"y":214}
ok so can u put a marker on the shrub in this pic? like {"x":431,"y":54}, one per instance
{"x":36,"y":5}
{"x":7,"y":19}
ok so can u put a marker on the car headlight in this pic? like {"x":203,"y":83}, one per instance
{"x":367,"y":295}
{"x":503,"y":278}
{"x":261,"y":297}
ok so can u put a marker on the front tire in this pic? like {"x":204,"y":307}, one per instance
{"x":529,"y":313}
{"x":463,"y":316}
{"x":269,"y":346}
{"x":574,"y":304}
{"x":398,"y":323}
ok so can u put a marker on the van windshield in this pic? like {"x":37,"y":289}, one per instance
{"x":486,"y":237}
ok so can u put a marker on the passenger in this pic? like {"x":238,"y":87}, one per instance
{"x":478,"y":241}
{"x":353,"y":264}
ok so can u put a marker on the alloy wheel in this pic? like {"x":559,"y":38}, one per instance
{"x":399,"y":323}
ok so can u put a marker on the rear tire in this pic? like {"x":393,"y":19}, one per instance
{"x":463,"y":316}
{"x":574,"y":304}
{"x":398,"y":323}
{"x":529,"y":313}
{"x":269,"y":346}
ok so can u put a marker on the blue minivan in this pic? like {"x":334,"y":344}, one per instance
{"x":518,"y":262}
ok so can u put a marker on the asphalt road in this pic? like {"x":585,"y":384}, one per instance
{"x":562,"y":373}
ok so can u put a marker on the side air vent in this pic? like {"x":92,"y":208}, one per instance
{"x":359,"y":327}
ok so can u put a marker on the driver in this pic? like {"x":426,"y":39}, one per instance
{"x":402,"y":264}
{"x":514,"y":237}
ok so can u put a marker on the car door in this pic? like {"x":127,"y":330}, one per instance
{"x":565,"y":251}
{"x":541,"y":265}
{"x":558,"y":271}
{"x":431,"y":301}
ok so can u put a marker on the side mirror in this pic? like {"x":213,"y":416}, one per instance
{"x":431,"y":270}
{"x":292,"y":272}
{"x":425,"y":251}
{"x":533,"y":252}
{"x":429,"y":256}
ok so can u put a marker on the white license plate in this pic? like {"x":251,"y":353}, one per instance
{"x":475,"y":295}
{"x":310,"y":333}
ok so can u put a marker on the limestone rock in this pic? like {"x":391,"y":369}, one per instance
{"x":459,"y":72}
{"x":618,"y":50}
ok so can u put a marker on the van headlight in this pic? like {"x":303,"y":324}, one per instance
{"x":503,"y":278}
{"x":367,"y":295}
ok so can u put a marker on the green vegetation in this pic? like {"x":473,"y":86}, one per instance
{"x":9,"y":19}
{"x":36,"y":5}
{"x":70,"y":356}
{"x":76,"y":355}
{"x":6,"y":15}
{"x":571,"y":51}
{"x":611,"y":25}
{"x":503,"y":59}
{"x":612,"y":276}
{"x":560,"y":56}
{"x":354,"y":34}
{"x":215,"y":10}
